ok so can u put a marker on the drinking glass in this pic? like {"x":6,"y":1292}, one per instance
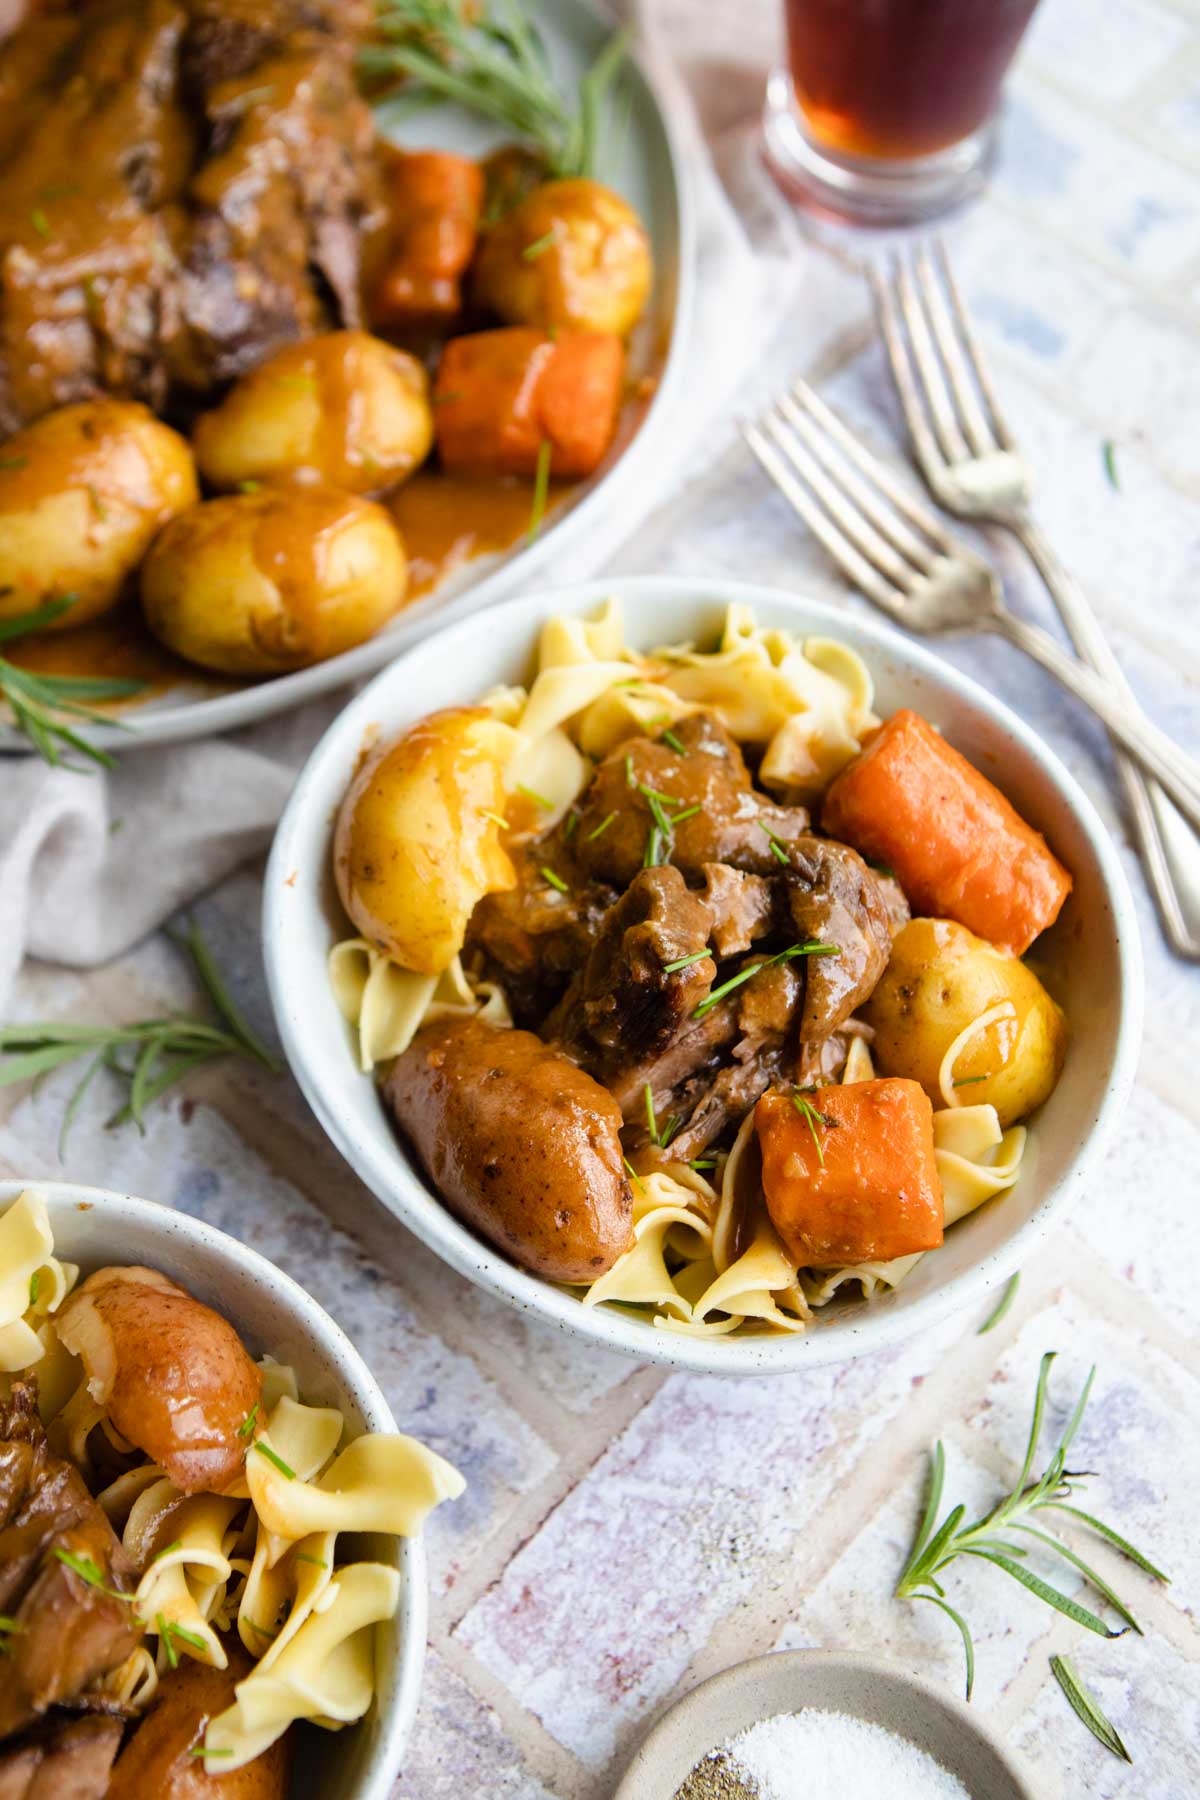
{"x":887,"y":110}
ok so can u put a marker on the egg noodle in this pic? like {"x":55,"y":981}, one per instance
{"x":705,"y":1259}
{"x":259,"y":1558}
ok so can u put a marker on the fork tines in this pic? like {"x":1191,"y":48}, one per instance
{"x":886,"y":540}
{"x":947,"y":395}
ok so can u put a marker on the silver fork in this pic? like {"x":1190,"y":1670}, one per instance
{"x":974,"y":469}
{"x":902,"y":558}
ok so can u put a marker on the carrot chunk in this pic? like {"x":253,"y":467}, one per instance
{"x":959,"y":849}
{"x":500,"y":395}
{"x":434,"y":201}
{"x":854,"y":1179}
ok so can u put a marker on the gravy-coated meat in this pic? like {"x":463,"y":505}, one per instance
{"x":835,"y":899}
{"x":734,"y":824}
{"x":521,"y":1143}
{"x":69,"y":1630}
{"x":158,"y":1761}
{"x":68,"y":1759}
{"x":532,"y":936}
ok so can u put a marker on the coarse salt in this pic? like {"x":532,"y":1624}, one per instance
{"x":817,"y":1755}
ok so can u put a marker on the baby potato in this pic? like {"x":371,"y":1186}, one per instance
{"x":82,"y":492}
{"x":940,"y":978}
{"x":257,"y":584}
{"x":344,"y":406}
{"x":417,"y":842}
{"x":571,"y":255}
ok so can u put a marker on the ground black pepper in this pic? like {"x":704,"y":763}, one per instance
{"x":716,"y":1778}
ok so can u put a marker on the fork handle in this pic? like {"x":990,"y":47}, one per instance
{"x":1177,"y":772}
{"x":1170,"y":851}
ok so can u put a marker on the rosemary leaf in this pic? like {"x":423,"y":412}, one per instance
{"x":1005,"y":1301}
{"x":1086,"y":1707}
{"x":37,"y":701}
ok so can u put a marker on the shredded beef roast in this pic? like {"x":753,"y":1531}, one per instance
{"x":835,"y":899}
{"x":532,"y":937}
{"x":64,"y":1759}
{"x":69,"y":1630}
{"x":184,"y":186}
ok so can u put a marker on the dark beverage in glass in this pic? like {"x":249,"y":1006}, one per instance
{"x":887,"y":106}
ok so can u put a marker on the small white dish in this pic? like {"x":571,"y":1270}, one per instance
{"x":95,"y":1227}
{"x":952,"y":1733}
{"x":1097,"y":975}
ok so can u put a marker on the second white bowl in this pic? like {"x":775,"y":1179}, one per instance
{"x":1097,"y":955}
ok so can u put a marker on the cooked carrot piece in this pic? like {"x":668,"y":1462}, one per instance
{"x":959,"y":849}
{"x":849,"y":1172}
{"x":500,"y":395}
{"x":434,"y":202}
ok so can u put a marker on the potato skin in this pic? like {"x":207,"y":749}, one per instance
{"x":521,"y":1144}
{"x":82,"y":493}
{"x":414,"y":849}
{"x":157,"y":1757}
{"x":344,"y":406}
{"x":573,"y":254}
{"x":257,"y":584}
{"x":940,"y":977}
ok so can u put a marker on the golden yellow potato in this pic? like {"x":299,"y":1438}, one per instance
{"x":418,"y":836}
{"x":344,"y":406}
{"x":940,"y":978}
{"x":82,"y":492}
{"x":257,"y":584}
{"x":573,"y":254}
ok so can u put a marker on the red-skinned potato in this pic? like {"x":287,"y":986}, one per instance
{"x":157,"y":1762}
{"x":172,"y":1375}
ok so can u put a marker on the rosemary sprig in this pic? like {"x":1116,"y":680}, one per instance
{"x":492,"y":62}
{"x":38,"y":701}
{"x":685,"y":962}
{"x":735,"y":981}
{"x":778,"y":848}
{"x":556,"y":881}
{"x":273,"y":1456}
{"x":168,"y":1630}
{"x":813,"y":1118}
{"x":651,"y":1119}
{"x":161,"y":1051}
{"x":936,"y":1546}
{"x":1086,"y":1707}
{"x":676,"y":743}
{"x":1109,"y":452}
{"x":89,"y":1570}
{"x":601,"y":828}
{"x":1001,"y":1308}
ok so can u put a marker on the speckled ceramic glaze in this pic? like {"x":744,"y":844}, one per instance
{"x":274,"y":1315}
{"x":1097,"y":967}
{"x":879,"y":1692}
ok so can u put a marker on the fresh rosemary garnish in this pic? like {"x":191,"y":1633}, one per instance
{"x":1109,"y":453}
{"x":1086,"y":1707}
{"x":13,"y":462}
{"x":570,"y":826}
{"x":778,"y":849}
{"x":812,"y":1118}
{"x":651,"y":1119}
{"x":531,"y":794}
{"x":970,"y":1080}
{"x":247,"y":1424}
{"x":936,"y":1546}
{"x":40,"y":222}
{"x":493,"y":63}
{"x":163,"y":1050}
{"x":90,"y":1571}
{"x":633,"y":1174}
{"x":1000,"y":1309}
{"x":199,"y":1750}
{"x":703,"y":1162}
{"x":656,"y":843}
{"x":35,"y":700}
{"x":273,"y":1456}
{"x":735,"y":981}
{"x":685,"y":962}
{"x":317,"y":1562}
{"x":601,"y":828}
{"x":556,"y":881}
{"x":541,"y":489}
{"x":34,"y":1284}
{"x":539,"y":246}
{"x":676,"y":743}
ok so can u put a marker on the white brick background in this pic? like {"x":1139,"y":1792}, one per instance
{"x":626,"y":1532}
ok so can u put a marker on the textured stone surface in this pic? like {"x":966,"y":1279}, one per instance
{"x":626,"y":1533}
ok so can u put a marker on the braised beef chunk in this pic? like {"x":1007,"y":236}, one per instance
{"x":835,"y":899}
{"x":733,"y":825}
{"x":768,"y":1007}
{"x":184,"y":184}
{"x":741,"y":907}
{"x":532,"y":937}
{"x":65,"y":1759}
{"x":630,"y":997}
{"x":68,"y":1630}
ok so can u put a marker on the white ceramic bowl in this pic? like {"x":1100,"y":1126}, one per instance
{"x":1098,"y":972}
{"x":94,"y":1227}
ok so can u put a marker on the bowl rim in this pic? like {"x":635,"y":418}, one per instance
{"x":411,"y":1621}
{"x":403,"y":1192}
{"x":639,"y":1776}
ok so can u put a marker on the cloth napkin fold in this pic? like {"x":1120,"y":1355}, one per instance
{"x":91,"y":862}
